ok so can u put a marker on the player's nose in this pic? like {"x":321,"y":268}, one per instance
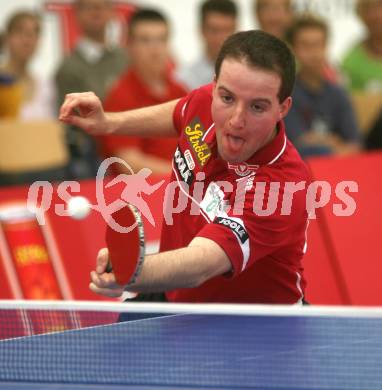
{"x":237,"y":119}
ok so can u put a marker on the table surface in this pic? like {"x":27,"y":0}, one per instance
{"x":203,"y":352}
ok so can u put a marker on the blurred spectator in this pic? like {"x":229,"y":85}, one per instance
{"x":93,"y":66}
{"x":218,"y":20}
{"x":146,"y":82}
{"x":27,"y":96}
{"x":274,"y":16}
{"x":362,"y":65}
{"x":321,"y":120}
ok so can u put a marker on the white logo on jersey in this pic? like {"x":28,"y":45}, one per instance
{"x":243,"y":169}
{"x":212,"y":202}
{"x":182,"y":167}
{"x":189,"y":160}
{"x":235,"y":226}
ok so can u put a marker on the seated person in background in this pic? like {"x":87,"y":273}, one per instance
{"x":321,"y":120}
{"x":218,"y":20}
{"x":146,"y":82}
{"x":362,"y":65}
{"x":33,"y":95}
{"x":93,"y":65}
{"x":27,"y":100}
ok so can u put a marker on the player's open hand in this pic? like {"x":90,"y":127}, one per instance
{"x":84,"y":110}
{"x":103,"y":282}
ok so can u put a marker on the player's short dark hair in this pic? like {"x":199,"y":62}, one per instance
{"x":261,"y":50}
{"x":225,"y":7}
{"x":306,"y":21}
{"x":145,"y":15}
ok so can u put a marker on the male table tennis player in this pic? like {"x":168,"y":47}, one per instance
{"x":229,"y":132}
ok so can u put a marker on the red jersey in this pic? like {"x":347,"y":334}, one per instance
{"x":130,"y":93}
{"x":241,"y":208}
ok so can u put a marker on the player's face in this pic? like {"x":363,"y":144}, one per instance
{"x":245,"y":109}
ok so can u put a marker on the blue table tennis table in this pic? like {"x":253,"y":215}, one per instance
{"x":191,"y":351}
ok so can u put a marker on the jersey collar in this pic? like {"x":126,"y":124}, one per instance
{"x":271,"y":152}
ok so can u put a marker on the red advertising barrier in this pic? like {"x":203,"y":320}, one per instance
{"x":29,"y":255}
{"x":58,"y":255}
{"x":353,"y":242}
{"x":343,"y":262}
{"x":324,"y":284}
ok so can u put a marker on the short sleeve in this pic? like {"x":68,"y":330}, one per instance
{"x":254,"y":235}
{"x":180,"y":111}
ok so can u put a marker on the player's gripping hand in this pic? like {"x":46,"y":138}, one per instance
{"x":84,"y":110}
{"x":103,"y":282}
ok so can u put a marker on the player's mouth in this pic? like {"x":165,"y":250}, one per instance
{"x":234,"y":143}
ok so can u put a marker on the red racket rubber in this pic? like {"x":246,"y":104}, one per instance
{"x":126,"y":250}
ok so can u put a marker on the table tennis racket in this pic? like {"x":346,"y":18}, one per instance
{"x":126,"y":249}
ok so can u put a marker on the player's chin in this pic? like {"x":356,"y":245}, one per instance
{"x":232,"y":158}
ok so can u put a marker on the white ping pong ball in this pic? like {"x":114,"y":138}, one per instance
{"x":78,"y":207}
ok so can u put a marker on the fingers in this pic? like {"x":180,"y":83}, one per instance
{"x":105,"y":284}
{"x":78,"y":106}
{"x":112,"y":293}
{"x":74,"y":101}
{"x":102,"y":282}
{"x":106,"y":279}
{"x":102,"y":261}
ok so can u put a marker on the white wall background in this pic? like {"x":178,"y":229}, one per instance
{"x":345,"y":26}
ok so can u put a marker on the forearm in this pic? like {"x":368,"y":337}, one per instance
{"x":182,"y":268}
{"x":153,"y":121}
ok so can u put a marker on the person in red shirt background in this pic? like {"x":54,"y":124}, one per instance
{"x":146,"y":82}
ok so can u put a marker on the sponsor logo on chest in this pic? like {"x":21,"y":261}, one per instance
{"x":243,"y":169}
{"x":213,"y":201}
{"x":194,"y":134}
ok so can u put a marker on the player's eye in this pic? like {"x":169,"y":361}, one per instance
{"x":226,"y":98}
{"x":258,"y":108}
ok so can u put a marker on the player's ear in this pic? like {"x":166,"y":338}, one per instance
{"x":285,"y":107}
